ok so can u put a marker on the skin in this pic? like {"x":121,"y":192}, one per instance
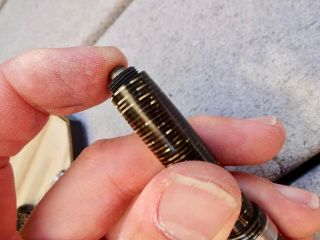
{"x":102,"y":194}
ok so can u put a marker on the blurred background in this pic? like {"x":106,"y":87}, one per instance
{"x":233,"y":58}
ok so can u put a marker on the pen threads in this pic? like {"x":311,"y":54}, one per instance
{"x":171,"y":138}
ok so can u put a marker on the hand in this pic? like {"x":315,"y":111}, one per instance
{"x":116,"y":188}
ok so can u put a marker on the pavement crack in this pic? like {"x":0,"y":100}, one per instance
{"x":2,"y":3}
{"x":107,"y":23}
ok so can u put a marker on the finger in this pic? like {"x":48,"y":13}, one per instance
{"x":191,"y":200}
{"x":241,"y":141}
{"x":55,"y":81}
{"x":58,"y":81}
{"x":96,"y":189}
{"x":124,"y":165}
{"x":295,"y":211}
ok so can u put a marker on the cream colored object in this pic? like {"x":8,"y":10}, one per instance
{"x":36,"y":166}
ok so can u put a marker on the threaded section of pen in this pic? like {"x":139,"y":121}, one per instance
{"x":170,"y":137}
{"x":155,"y":119}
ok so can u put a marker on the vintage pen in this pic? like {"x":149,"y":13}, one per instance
{"x":171,"y":138}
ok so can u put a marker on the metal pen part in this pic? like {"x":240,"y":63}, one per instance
{"x":171,"y":138}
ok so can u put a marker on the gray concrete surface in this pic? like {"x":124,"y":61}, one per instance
{"x":231,"y":58}
{"x":40,"y":24}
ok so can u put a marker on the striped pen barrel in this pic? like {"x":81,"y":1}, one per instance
{"x":171,"y":138}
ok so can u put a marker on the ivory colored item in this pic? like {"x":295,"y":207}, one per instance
{"x":38,"y":164}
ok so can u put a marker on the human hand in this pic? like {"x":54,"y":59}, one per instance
{"x":117,"y":189}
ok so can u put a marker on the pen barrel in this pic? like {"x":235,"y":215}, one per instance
{"x":171,"y":138}
{"x":156,"y":120}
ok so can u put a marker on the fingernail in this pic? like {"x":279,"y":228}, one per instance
{"x":194,"y":209}
{"x":299,"y":195}
{"x":269,"y":120}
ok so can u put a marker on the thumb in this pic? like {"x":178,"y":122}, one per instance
{"x":187,"y":201}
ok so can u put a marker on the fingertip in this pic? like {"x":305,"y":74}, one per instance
{"x":207,"y":172}
{"x":202,"y":201}
{"x":269,"y":128}
{"x":113,"y":54}
{"x":189,"y":200}
{"x":237,"y":141}
{"x":286,"y":206}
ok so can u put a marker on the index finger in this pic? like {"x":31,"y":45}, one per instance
{"x":50,"y":81}
{"x":39,"y":83}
